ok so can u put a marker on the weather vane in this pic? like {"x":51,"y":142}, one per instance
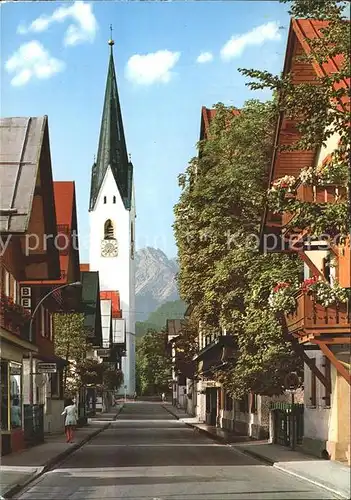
{"x":111,"y":42}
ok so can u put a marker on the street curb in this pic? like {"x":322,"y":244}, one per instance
{"x":276,"y":465}
{"x":259,"y":457}
{"x":341,"y":494}
{"x":194,"y":426}
{"x":253,"y":454}
{"x":14,"y":489}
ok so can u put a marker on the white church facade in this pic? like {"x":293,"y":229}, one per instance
{"x":112,"y":221}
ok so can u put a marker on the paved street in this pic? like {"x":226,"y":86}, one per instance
{"x":147,"y":454}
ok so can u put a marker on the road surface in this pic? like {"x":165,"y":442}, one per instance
{"x":149,"y":455}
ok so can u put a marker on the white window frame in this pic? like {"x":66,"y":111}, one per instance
{"x":7,"y":283}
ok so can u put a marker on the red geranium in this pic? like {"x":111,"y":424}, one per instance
{"x":280,"y":286}
{"x":305,"y":285}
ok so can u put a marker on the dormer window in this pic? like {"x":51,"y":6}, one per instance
{"x":109,"y":232}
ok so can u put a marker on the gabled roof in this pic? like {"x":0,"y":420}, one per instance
{"x":207,"y":116}
{"x":21,"y":144}
{"x":112,"y":150}
{"x":308,"y":29}
{"x":291,"y":162}
{"x":66,"y":217}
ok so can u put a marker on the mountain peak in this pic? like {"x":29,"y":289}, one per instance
{"x":155,"y":280}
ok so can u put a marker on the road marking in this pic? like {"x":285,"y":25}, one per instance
{"x":161,"y":445}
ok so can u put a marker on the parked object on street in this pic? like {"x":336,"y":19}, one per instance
{"x":70,"y":411}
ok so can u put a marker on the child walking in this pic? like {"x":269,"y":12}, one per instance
{"x":70,"y":411}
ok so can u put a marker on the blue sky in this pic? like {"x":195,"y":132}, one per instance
{"x":55,"y":58}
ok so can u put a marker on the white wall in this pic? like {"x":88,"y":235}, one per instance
{"x":201,"y":402}
{"x":116,"y":273}
{"x":316,"y":419}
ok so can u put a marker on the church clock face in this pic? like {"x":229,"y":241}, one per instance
{"x":109,"y":248}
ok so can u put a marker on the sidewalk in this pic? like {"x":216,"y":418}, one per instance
{"x":221,"y":435}
{"x":327,"y":474}
{"x":19,"y":469}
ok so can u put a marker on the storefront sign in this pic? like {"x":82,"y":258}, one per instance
{"x":26,"y":300}
{"x":46,"y":368}
{"x":210,"y":383}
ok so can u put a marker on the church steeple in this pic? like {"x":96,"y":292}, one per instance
{"x":112,"y":150}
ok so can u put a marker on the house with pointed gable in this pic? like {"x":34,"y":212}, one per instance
{"x":28,"y":230}
{"x":320,"y":332}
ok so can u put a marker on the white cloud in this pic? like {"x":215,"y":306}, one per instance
{"x":83,"y":29}
{"x":237,"y":43}
{"x":150,"y":68}
{"x":204,"y":57}
{"x":31,"y":60}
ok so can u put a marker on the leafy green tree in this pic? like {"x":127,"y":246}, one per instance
{"x":153,"y":368}
{"x":222,"y":274}
{"x":71,"y":344}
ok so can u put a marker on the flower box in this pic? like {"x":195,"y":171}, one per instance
{"x":311,"y":317}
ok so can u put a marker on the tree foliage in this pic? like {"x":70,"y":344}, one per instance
{"x":157,"y":319}
{"x":153,"y":367}
{"x":72,"y":344}
{"x":222,"y":274}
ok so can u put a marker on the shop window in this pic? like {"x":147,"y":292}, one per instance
{"x":4,"y":415}
{"x":16,"y":395}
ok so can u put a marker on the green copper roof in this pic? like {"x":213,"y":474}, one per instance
{"x":112,"y":145}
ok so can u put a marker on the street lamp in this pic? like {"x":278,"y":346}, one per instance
{"x":76,"y":283}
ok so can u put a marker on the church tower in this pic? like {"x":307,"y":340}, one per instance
{"x":112,"y":218}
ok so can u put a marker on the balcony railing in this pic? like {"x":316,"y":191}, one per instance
{"x":313,"y":318}
{"x":314,"y":194}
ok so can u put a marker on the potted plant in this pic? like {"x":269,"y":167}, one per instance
{"x":324,"y":293}
{"x":283,"y":298}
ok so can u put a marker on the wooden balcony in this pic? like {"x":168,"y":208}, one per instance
{"x":313,"y":194}
{"x":312,"y":320}
{"x":320,"y":194}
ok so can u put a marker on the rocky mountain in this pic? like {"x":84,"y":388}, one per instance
{"x":155,"y":281}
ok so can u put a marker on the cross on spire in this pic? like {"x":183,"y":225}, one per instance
{"x":111,"y":42}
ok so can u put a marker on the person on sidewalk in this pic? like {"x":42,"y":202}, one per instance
{"x":70,"y":411}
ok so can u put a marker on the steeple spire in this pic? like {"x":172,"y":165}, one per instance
{"x":112,"y":150}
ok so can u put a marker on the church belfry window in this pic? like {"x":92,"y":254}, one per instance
{"x":114,"y":199}
{"x":105,"y":200}
{"x":109,"y":232}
